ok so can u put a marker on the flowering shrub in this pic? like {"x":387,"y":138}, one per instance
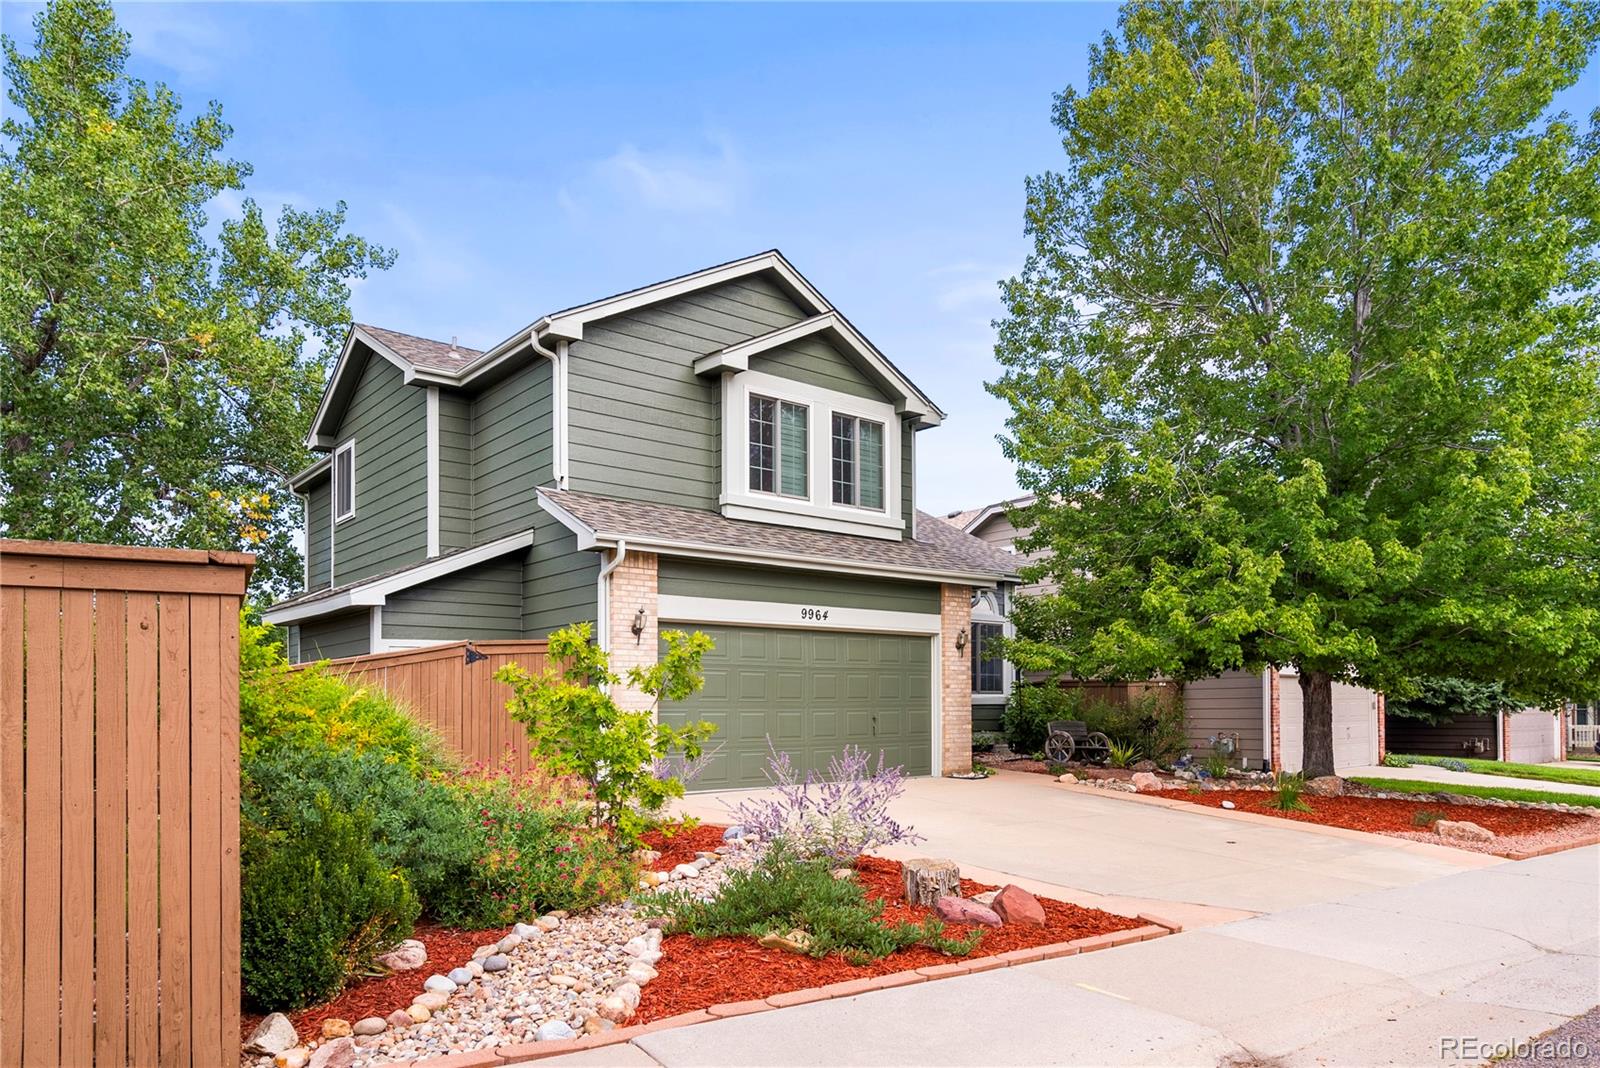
{"x":839,"y":816}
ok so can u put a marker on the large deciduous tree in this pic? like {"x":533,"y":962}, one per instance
{"x":158,"y":375}
{"x":1303,"y":363}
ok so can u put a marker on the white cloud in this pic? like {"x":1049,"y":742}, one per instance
{"x":968,"y":284}
{"x":185,"y":38}
{"x":681,"y":180}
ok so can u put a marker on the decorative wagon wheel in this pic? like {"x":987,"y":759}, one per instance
{"x":1059,"y":747}
{"x":1100,"y":745}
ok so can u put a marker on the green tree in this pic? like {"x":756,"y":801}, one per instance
{"x":158,"y":376}
{"x":1302,"y":364}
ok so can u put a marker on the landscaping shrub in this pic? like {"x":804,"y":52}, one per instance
{"x":1122,"y":755}
{"x":295,"y":709}
{"x":1286,"y":793}
{"x":1151,"y":723}
{"x":985,"y":741}
{"x":1025,"y":721}
{"x":786,"y":891}
{"x":839,"y":815}
{"x":316,"y":906}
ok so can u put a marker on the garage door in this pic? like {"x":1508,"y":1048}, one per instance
{"x":812,"y":693}
{"x":1355,"y":726}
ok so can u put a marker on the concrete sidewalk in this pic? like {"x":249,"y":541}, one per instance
{"x":1429,"y":973}
{"x":1446,"y":778}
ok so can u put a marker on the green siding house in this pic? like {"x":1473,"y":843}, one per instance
{"x":721,"y":451}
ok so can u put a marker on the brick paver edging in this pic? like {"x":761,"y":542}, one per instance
{"x":1155,"y":927}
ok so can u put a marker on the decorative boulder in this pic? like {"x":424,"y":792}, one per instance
{"x":1068,"y":778}
{"x":926,"y":880}
{"x":399,"y":1018}
{"x":340,"y":1053}
{"x":1146,"y":782}
{"x":1013,"y":904}
{"x":796,"y":941}
{"x":440,"y":984}
{"x":298,"y":1057}
{"x":272,"y":1036}
{"x":407,"y":956}
{"x":1325,"y":786}
{"x":498,"y":962}
{"x":371,"y":1025}
{"x":1462,"y":831}
{"x":954,"y":909}
{"x":1145,"y":765}
{"x":554,"y":1031}
{"x":733,"y":834}
{"x":431,"y":1000}
{"x":615,"y":1009}
{"x":333,"y":1027}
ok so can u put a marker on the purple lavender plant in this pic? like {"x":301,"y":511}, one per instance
{"x":839,"y":815}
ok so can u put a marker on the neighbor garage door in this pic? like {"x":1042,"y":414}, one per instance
{"x":1355,"y":725}
{"x":812,"y":693}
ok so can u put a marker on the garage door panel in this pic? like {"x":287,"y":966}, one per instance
{"x":812,"y":693}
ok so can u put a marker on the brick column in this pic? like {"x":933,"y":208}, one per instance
{"x":632,"y":588}
{"x":1383,"y":726}
{"x":1276,"y":707}
{"x":1505,"y":736}
{"x":1561,"y":728}
{"x":955,"y":693}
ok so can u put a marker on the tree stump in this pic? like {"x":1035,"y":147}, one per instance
{"x":926,"y":880}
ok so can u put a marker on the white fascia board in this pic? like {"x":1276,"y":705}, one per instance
{"x":308,"y":474}
{"x":375,"y":592}
{"x":584,"y":533}
{"x":569,"y":324}
{"x":810,"y":616}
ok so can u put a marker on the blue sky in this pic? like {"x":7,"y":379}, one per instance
{"x":522,"y":158}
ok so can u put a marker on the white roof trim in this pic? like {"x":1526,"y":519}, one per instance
{"x":409,"y":371}
{"x":589,"y":538}
{"x":988,"y":513}
{"x":736,"y":358}
{"x":375,"y":592}
{"x":320,"y":467}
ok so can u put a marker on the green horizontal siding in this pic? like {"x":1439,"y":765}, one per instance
{"x":319,"y":535}
{"x":349,"y":634}
{"x":558,"y":581}
{"x":643,"y":426}
{"x":908,"y":479}
{"x":817,"y":362}
{"x":478,"y":603}
{"x":292,"y":643}
{"x":455,"y":471}
{"x":388,"y":420}
{"x":700,"y":578}
{"x":511,"y":452}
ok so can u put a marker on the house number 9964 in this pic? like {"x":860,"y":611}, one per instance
{"x":814,"y":613}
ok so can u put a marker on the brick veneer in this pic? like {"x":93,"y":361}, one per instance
{"x":633,"y":586}
{"x":1275,"y":683}
{"x":1383,"y":706}
{"x":955,"y":696}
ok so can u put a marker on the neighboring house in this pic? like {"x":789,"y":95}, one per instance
{"x":1583,"y":726}
{"x":1526,"y":736}
{"x":721,"y":451}
{"x":1259,"y":714}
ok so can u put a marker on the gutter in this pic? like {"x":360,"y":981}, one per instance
{"x":603,"y":594}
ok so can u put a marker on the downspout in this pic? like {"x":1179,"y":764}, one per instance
{"x":602,"y":599}
{"x":558,"y":402}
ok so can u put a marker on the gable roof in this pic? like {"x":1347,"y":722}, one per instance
{"x":434,"y":362}
{"x":939,"y":552}
{"x":973,"y":518}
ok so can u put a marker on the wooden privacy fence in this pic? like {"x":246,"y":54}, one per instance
{"x":119,"y":805}
{"x":461,"y":701}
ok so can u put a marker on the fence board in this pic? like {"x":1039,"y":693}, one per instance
{"x":11,"y":823}
{"x":174,"y":837}
{"x":77,"y":827}
{"x":205,"y":860}
{"x":228,"y":744}
{"x":41,"y":960}
{"x":111,"y":823}
{"x":144,"y":949}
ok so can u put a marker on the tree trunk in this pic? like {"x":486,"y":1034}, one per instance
{"x":1316,"y":699}
{"x":925,"y":880}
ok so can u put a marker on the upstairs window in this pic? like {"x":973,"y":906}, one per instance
{"x":344,"y":481}
{"x":857,"y":462}
{"x":779,"y":453}
{"x":988,"y":670}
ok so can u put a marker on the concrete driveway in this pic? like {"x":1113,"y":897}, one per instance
{"x":1109,"y":851}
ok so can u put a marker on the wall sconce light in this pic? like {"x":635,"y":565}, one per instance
{"x":638,"y":626}
{"x":961,"y":639}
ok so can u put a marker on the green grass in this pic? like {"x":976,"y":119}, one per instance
{"x":1588,"y":758}
{"x":1503,"y":793}
{"x":1542,"y":772}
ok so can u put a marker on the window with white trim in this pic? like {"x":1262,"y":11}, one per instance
{"x":344,"y":481}
{"x":857,"y":462}
{"x":779,"y":447}
{"x":988,"y":668}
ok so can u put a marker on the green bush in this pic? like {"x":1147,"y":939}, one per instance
{"x":420,"y":825}
{"x":1150,"y":723}
{"x":296,"y":709}
{"x":784,"y":892}
{"x":316,"y":906}
{"x":1025,"y":721}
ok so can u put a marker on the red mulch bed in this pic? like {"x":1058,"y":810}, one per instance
{"x":695,"y":974}
{"x":379,"y":996}
{"x":1382,"y":815}
{"x":680,"y":847}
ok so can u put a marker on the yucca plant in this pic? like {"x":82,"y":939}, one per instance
{"x":1122,"y":754}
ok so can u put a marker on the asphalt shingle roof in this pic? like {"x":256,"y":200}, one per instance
{"x":938,"y":547}
{"x":424,"y":352}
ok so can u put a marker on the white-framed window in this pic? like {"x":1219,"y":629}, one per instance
{"x":344,"y":481}
{"x":856,"y":462}
{"x":988,"y":669}
{"x":781,"y":463}
{"x":780,"y":447}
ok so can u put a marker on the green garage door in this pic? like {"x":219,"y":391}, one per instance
{"x":812,"y":693}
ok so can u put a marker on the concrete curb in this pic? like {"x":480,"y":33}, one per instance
{"x":536,"y":1051}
